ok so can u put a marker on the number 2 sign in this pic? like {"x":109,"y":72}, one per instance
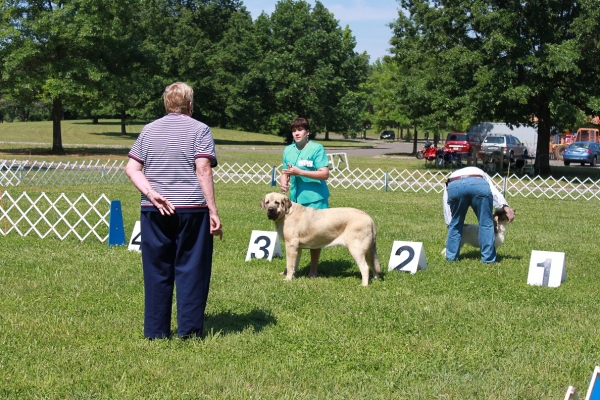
{"x":263,"y":245}
{"x":546,"y":268}
{"x":407,"y":257}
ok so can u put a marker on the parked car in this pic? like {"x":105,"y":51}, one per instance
{"x":509,"y":145}
{"x":463,"y":143}
{"x":582,"y":152}
{"x":389,"y":135}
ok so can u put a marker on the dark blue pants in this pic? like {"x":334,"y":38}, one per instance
{"x":176,"y":250}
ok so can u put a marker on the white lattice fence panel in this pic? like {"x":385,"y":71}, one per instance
{"x":356,"y":178}
{"x":550,"y":188}
{"x":44,"y":216}
{"x":417,"y":181}
{"x":245,"y":173}
{"x":34,"y":173}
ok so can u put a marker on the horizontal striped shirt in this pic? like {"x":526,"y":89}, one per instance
{"x":167,"y":149}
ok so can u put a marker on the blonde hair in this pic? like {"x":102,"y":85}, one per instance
{"x":177,"y":96}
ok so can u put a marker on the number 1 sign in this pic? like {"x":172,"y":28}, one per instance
{"x":264,"y":245}
{"x":546,"y":268}
{"x":407,"y":257}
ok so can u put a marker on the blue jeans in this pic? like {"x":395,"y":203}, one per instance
{"x":472,"y":192}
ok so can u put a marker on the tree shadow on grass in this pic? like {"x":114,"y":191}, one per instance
{"x":109,"y":123}
{"x":116,"y":134}
{"x":250,"y":143}
{"x":80,"y":151}
{"x":228,"y":322}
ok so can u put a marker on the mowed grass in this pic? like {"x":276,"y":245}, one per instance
{"x":71,"y":313}
{"x":82,"y":137}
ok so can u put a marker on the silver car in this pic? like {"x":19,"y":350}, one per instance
{"x":510,"y":145}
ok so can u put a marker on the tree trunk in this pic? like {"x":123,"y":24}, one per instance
{"x":123,"y":117}
{"x":401,"y":132}
{"x":57,"y":147}
{"x":95,"y":120}
{"x":415,"y":141}
{"x":542,"y":158}
{"x":326,"y":135}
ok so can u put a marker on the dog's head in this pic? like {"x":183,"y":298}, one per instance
{"x":276,"y":205}
{"x":500,"y":220}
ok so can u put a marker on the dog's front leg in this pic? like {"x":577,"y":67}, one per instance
{"x":292,"y":256}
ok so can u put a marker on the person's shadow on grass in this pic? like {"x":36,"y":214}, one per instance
{"x":228,"y":322}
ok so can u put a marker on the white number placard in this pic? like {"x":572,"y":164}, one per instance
{"x":263,"y":245}
{"x":546,"y":268}
{"x":407,"y":257}
{"x":571,"y":394}
{"x":593,"y":392}
{"x":136,"y":238}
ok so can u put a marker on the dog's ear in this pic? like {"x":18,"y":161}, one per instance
{"x":287,"y":203}
{"x":262,"y":203}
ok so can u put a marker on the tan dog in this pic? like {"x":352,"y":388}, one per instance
{"x":471,"y":231}
{"x":308,"y":228}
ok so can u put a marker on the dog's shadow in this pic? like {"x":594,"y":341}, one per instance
{"x":334,"y":268}
{"x":228,"y":322}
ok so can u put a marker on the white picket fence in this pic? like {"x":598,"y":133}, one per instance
{"x":45,"y":173}
{"x":26,"y":173}
{"x":45,"y":215}
{"x":418,"y":181}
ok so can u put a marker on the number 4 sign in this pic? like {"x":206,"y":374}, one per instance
{"x":407,"y":257}
{"x":264,"y":245}
{"x":136,"y":238}
{"x":546,"y":268}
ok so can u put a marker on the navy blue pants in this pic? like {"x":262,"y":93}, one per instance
{"x":176,"y":250}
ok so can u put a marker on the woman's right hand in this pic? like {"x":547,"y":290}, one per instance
{"x":161,"y":203}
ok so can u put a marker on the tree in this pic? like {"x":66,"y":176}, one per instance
{"x":309,"y":66}
{"x":384,"y":95}
{"x":521,"y":62}
{"x":57,"y":51}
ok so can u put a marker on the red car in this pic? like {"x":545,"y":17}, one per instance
{"x":463,"y":143}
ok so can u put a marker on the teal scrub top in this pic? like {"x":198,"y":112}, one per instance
{"x":305,"y":190}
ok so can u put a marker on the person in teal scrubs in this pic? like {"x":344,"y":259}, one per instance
{"x":305,"y":172}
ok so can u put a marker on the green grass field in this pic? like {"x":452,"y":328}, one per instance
{"x":71,"y":313}
{"x":83,"y":137}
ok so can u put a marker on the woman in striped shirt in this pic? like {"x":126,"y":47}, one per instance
{"x":171,"y":164}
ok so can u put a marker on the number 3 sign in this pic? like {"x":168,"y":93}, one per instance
{"x":407,"y":257}
{"x":263,"y":245}
{"x":546,"y":268}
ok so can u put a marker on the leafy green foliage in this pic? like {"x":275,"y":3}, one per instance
{"x":517,"y":62}
{"x":309,"y":67}
{"x":60,"y":52}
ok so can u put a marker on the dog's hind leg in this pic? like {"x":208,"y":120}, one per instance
{"x":360,"y":256}
{"x":373,"y":261}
